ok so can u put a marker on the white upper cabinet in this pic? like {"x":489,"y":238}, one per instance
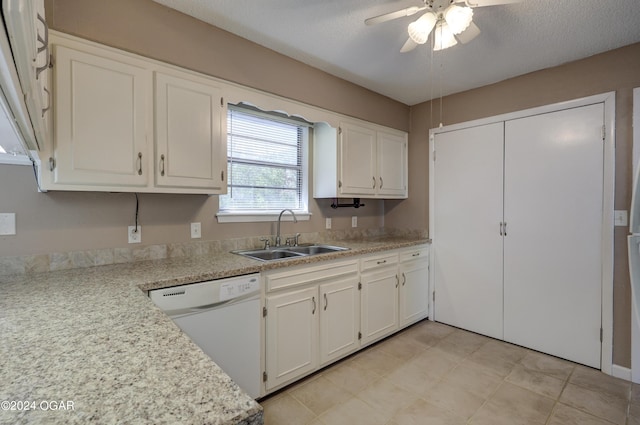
{"x":125,"y":123}
{"x":188,"y":129}
{"x":101,"y":106}
{"x":360,"y":160}
{"x":357,"y":161}
{"x":392,"y":165}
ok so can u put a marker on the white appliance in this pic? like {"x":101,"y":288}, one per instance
{"x":634,"y":272}
{"x":223,"y":318}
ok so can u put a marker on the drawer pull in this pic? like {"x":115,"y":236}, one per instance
{"x":381,"y":262}
{"x":313,"y":300}
{"x":404,"y":279}
{"x":326,"y":302}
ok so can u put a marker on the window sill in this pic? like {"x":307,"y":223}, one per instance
{"x":259,"y":216}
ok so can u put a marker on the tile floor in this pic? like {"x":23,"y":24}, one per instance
{"x":433,"y":374}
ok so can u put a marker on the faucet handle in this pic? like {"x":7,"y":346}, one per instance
{"x":295,"y":239}
{"x":267,"y":242}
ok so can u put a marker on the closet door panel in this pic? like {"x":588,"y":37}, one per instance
{"x":466,"y":237}
{"x":553,"y":210}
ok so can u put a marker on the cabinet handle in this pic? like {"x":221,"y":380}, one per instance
{"x":139,"y":163}
{"x":48,"y":101}
{"x":417,"y":254}
{"x":404,"y":279}
{"x":162,"y":165}
{"x":501,"y":233}
{"x":381,"y":182}
{"x":374,"y":183}
{"x":381,"y":262}
{"x":45,"y":46}
{"x":505,"y":228}
{"x":326,"y":302}
{"x":339,"y":184}
{"x":313,"y":300}
{"x":397,"y":281}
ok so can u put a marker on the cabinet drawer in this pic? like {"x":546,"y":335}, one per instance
{"x":382,"y":260}
{"x":304,"y":275}
{"x":419,"y":253}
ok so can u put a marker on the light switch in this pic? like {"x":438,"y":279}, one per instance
{"x":327,"y":223}
{"x":196,"y":231}
{"x":354,"y":221}
{"x":620,"y":218}
{"x":7,"y":224}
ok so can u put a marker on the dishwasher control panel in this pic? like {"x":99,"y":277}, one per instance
{"x":230,"y":290}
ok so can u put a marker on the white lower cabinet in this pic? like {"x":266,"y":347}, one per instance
{"x":339,"y":318}
{"x":292,"y":332}
{"x":380,"y":281}
{"x":414,"y":286}
{"x":317,"y":314}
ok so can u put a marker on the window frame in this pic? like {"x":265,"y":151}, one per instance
{"x":251,"y":216}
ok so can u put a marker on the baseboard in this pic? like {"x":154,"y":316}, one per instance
{"x":621,"y":372}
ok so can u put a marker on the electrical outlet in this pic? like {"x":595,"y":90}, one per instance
{"x":135,"y":235}
{"x":327,"y":223}
{"x":196,"y":231}
{"x":354,"y":221}
{"x":7,"y":224}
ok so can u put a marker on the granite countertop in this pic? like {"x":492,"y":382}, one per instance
{"x":92,"y":341}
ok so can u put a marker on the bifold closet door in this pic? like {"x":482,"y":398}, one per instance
{"x":552,"y":248}
{"x":466,"y":240}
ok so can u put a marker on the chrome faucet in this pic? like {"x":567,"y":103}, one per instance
{"x":295,"y":220}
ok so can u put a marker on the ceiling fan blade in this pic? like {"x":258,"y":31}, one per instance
{"x":409,"y":45}
{"x":469,"y":34}
{"x":394,"y":15}
{"x":483,"y":3}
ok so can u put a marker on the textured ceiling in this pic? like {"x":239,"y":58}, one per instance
{"x":515,"y":39}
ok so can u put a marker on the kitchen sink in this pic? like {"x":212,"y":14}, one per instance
{"x":315,"y":249}
{"x":281,"y":253}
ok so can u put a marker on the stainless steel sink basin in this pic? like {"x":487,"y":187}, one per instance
{"x":269,"y":254}
{"x":281,"y":253}
{"x":316,"y":249}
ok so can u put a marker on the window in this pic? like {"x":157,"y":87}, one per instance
{"x":11,"y":150}
{"x":266,"y":165}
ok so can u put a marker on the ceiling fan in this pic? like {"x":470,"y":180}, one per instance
{"x":452,"y":20}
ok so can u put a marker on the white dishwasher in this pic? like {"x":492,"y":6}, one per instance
{"x":223,"y":318}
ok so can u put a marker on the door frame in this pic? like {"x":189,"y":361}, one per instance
{"x":608,"y":100}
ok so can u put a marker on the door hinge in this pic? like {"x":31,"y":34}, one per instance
{"x":339,"y":130}
{"x":339,"y":183}
{"x":359,"y":286}
{"x":52,"y":163}
{"x":601,"y":334}
{"x":222,"y":101}
{"x":264,"y":376}
{"x":434,"y":296}
{"x":604,"y":131}
{"x":264,"y":311}
{"x":359,"y":335}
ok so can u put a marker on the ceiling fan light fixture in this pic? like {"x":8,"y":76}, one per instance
{"x":420,"y":29}
{"x":458,"y":18}
{"x":443,"y":37}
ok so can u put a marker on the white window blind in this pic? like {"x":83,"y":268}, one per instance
{"x":265,"y":162}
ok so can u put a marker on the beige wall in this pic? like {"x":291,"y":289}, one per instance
{"x":67,"y":221}
{"x":617,"y":70}
{"x":155,"y":31}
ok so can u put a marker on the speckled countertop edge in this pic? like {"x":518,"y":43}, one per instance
{"x":229,"y":264}
{"x":93,"y":337}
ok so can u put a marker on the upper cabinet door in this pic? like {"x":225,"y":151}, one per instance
{"x":189,"y":124}
{"x":392,"y":165}
{"x":101,"y":115}
{"x":358,"y":161}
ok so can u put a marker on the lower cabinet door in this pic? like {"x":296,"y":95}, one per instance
{"x":291,"y":335}
{"x":339,"y":318}
{"x":414,"y":291}
{"x":379,"y":303}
